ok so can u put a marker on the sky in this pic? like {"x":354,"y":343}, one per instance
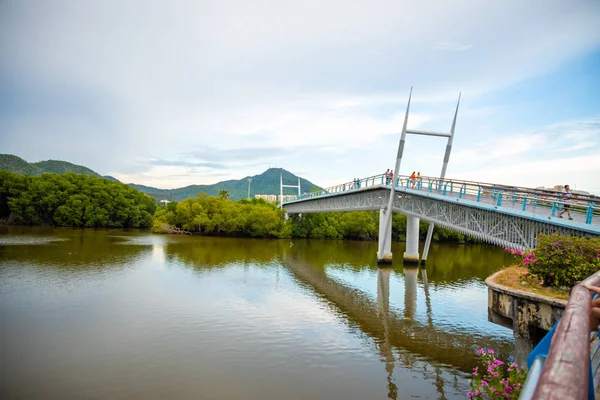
{"x":169,"y":94}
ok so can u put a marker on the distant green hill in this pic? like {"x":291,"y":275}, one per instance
{"x":111,"y":178}
{"x":17,"y":165}
{"x":62,"y":167}
{"x":265,"y":183}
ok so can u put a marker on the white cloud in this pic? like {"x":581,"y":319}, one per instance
{"x":548,"y":157}
{"x":451,"y":46}
{"x":314,"y":75}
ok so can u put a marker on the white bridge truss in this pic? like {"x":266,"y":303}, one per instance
{"x":491,"y":226}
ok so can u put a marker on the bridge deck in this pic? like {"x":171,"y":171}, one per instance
{"x":533,"y":204}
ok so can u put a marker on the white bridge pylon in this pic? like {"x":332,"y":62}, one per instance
{"x":411,"y":255}
{"x":281,"y":186}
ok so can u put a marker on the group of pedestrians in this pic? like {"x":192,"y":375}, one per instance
{"x":389,"y":176}
{"x":356,"y":183}
{"x":414,"y":179}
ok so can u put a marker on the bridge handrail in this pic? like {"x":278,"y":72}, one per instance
{"x":531,"y":200}
{"x":565,"y":372}
{"x":546,"y":192}
{"x":519,"y":194}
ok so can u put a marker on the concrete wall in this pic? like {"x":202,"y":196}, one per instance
{"x":529,"y":315}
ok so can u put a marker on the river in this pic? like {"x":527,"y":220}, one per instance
{"x":109,"y":314}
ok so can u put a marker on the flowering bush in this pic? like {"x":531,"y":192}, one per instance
{"x":561,"y":260}
{"x":497,"y":379}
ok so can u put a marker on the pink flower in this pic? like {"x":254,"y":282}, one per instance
{"x":481,"y":351}
{"x":495,"y":374}
{"x":470,"y":394}
{"x":551,"y":273}
{"x":484,"y":383}
{"x":478,"y":391}
{"x":491,"y":351}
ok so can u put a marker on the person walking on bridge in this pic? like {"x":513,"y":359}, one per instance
{"x":566,"y":201}
{"x":419,"y":179}
{"x":413,"y":179}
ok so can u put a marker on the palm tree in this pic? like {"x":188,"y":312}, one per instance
{"x":224,"y":194}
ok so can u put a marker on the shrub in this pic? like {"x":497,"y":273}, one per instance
{"x":497,"y":379}
{"x":562,"y":260}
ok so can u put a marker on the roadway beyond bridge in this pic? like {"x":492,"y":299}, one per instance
{"x":497,"y":214}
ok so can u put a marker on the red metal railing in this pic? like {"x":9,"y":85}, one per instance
{"x":566,"y":370}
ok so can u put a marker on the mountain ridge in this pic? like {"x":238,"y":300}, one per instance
{"x":264,"y":183}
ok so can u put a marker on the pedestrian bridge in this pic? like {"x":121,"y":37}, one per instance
{"x":503,"y":215}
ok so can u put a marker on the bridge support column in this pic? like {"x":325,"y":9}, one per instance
{"x":411,"y":255}
{"x":386,"y":253}
{"x":427,"y":243}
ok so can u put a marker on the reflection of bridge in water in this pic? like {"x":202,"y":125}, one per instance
{"x":413,"y":340}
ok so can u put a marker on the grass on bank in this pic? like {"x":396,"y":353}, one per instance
{"x":513,"y":277}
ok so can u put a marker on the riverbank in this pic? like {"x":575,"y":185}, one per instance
{"x":517,"y":277}
{"x":80,"y":201}
{"x":218,"y":216}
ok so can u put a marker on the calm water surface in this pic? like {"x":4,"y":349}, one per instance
{"x":131,"y":315}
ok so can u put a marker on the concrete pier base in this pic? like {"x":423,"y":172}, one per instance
{"x":411,"y":255}
{"x":386,"y":255}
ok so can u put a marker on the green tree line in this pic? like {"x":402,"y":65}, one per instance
{"x":362,"y":225}
{"x":77,"y":200}
{"x":221,"y":216}
{"x":74,"y":200}
{"x":258,"y":218}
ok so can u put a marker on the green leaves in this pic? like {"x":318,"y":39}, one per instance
{"x":73,"y":200}
{"x":219,"y":216}
{"x":564,"y":260}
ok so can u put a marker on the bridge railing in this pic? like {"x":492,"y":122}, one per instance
{"x":526,"y":199}
{"x":560,"y":366}
{"x":536,"y":201}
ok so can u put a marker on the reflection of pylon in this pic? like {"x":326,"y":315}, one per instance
{"x":383,"y":308}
